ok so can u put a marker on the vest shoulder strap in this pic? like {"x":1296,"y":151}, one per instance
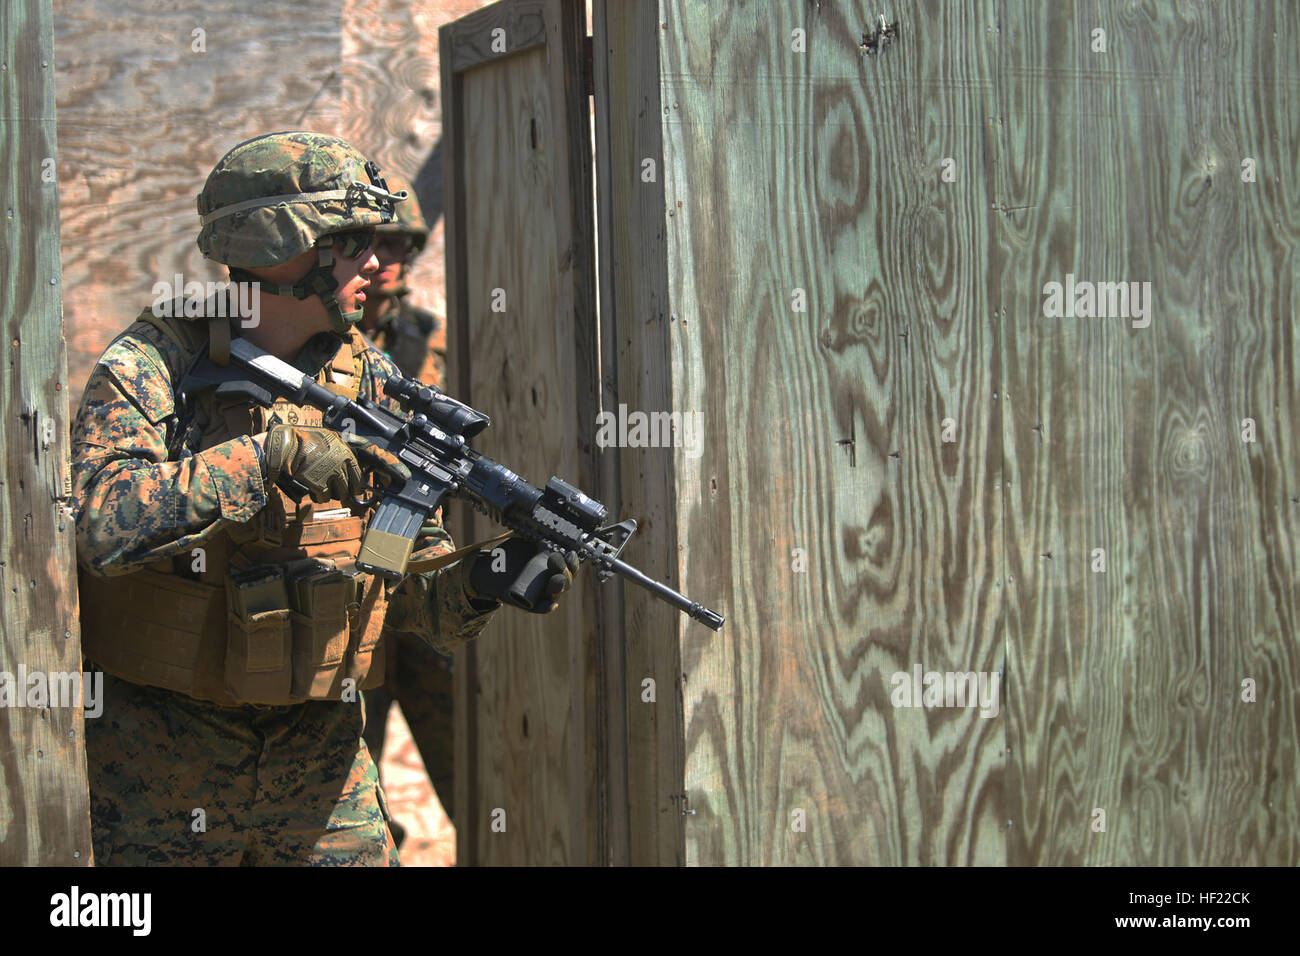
{"x":344,"y":369}
{"x":219,"y":340}
{"x":343,"y":372}
{"x":358,"y":342}
{"x":186,"y":336}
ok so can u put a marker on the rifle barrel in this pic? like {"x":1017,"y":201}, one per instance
{"x":711,"y":619}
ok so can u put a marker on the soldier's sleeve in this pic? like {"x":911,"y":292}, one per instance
{"x":433,"y":370}
{"x":133,"y":506}
{"x":431,"y":605}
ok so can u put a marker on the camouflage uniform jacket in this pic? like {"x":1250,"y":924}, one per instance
{"x":140,"y":496}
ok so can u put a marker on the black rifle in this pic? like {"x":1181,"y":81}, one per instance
{"x":432,"y":446}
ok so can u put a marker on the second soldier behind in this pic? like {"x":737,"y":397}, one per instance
{"x":418,"y":677}
{"x":414,"y":338}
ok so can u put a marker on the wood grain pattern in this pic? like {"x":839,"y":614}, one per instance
{"x":776,"y":171}
{"x":820,"y":172}
{"x":391,"y":108}
{"x":823,"y":173}
{"x":523,"y":25}
{"x":635,"y":370}
{"x":515,"y":162}
{"x":611,"y":124}
{"x":1125,"y":686}
{"x":598,"y":607}
{"x":143,"y":118}
{"x":44,"y":803}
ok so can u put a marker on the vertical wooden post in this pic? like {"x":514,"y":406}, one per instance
{"x":647,"y":758}
{"x":44,"y":804}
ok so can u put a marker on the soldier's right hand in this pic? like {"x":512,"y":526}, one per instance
{"x":315,"y":458}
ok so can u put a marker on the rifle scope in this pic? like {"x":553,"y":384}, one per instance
{"x":441,"y":409}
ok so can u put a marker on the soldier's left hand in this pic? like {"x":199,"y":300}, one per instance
{"x":520,"y":573}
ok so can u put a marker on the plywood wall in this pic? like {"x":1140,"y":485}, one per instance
{"x":1126,"y":689}
{"x":147,"y":106}
{"x":908,"y":465}
{"x":44,"y":806}
{"x":647,"y":772}
{"x":522,"y":336}
{"x":392,"y":108}
{"x":144,"y":114}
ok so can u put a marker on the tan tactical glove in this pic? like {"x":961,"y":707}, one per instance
{"x":314,"y":461}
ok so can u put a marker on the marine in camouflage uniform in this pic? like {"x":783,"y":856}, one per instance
{"x":414,"y":338}
{"x":232,"y":727}
{"x":418,"y":677}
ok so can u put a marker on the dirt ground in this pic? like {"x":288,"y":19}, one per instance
{"x":430,"y":837}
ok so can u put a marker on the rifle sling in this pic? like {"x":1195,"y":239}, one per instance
{"x":442,"y":560}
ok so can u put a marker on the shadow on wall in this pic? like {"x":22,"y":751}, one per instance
{"x":428,"y":185}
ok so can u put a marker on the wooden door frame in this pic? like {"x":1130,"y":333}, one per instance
{"x":464,"y":45}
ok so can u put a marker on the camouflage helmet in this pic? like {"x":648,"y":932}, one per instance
{"x":271,"y":198}
{"x":410,"y":221}
{"x":277,"y":196}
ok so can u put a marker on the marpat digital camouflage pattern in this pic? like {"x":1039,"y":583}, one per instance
{"x":135,"y":507}
{"x":275,"y":784}
{"x":415,"y":339}
{"x":240,"y":786}
{"x":322,"y":185}
{"x":410,"y":220}
{"x":264,"y":775}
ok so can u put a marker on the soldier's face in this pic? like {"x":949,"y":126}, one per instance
{"x":309,"y":314}
{"x":354,"y":276}
{"x":392,"y":251}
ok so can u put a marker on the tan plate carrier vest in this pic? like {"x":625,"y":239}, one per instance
{"x":278,"y":614}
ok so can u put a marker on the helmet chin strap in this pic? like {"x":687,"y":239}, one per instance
{"x":319,"y":281}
